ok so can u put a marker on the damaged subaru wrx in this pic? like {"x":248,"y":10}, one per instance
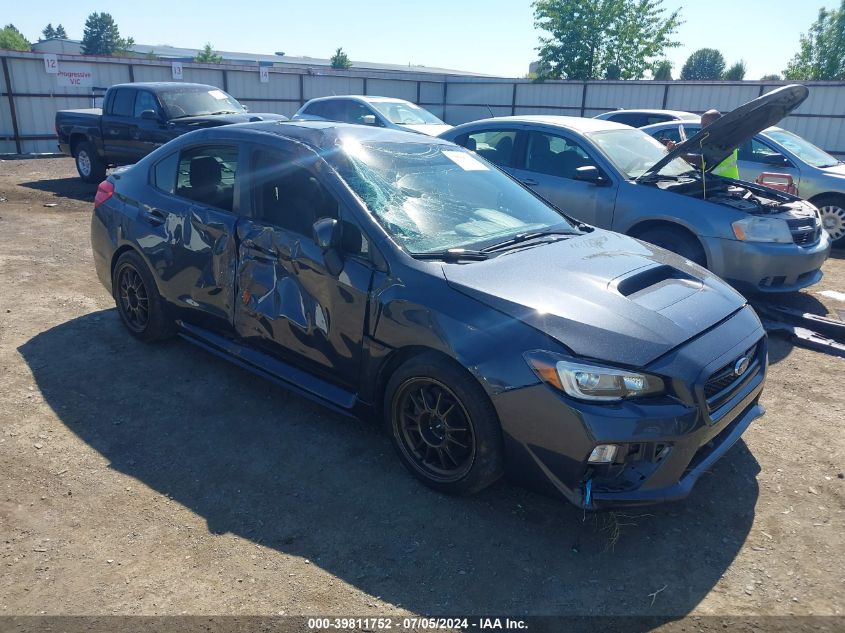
{"x":379,"y":271}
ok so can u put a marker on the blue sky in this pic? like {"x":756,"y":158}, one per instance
{"x":489,"y":36}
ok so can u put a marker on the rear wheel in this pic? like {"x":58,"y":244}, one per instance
{"x":832,"y":210}
{"x":139,"y":304}
{"x":443,"y":425}
{"x":89,"y":164}
{"x":676,"y":240}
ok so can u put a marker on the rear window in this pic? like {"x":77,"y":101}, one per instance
{"x":123,"y":102}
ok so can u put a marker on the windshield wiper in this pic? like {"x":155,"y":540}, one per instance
{"x":453,"y":255}
{"x":519,"y":238}
{"x":223,"y":112}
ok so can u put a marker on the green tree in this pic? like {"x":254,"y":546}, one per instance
{"x":772,"y":77}
{"x":60,"y":32}
{"x":821,"y":54}
{"x":12,"y":39}
{"x":736,"y":72}
{"x":102,"y":37}
{"x":340,"y":60}
{"x":663,"y":70}
{"x":208,"y":56}
{"x":613,"y":71}
{"x":49,"y":32}
{"x":705,"y":63}
{"x":586,"y":36}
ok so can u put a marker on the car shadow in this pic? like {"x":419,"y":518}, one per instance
{"x":73,"y":188}
{"x":264,"y":464}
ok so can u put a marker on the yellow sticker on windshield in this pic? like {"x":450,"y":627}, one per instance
{"x":465,"y":161}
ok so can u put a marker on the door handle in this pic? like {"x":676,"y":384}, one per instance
{"x":530,"y":182}
{"x":155,"y":217}
{"x":112,"y":131}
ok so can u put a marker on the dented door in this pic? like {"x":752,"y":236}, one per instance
{"x":290,"y":305}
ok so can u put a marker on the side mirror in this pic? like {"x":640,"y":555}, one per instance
{"x":149,"y":115}
{"x":327,"y":237}
{"x":368,"y":119}
{"x":592,"y":174}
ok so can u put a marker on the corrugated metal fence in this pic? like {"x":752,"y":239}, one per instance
{"x":30,"y":97}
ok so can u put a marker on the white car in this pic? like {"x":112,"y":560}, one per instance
{"x":639,"y":118}
{"x":386,"y":112}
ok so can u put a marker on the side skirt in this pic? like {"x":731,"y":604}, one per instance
{"x":315,"y":389}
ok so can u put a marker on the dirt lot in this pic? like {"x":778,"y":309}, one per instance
{"x":161,"y":480}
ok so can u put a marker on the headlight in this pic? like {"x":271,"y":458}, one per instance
{"x":762,"y":230}
{"x":593,"y":382}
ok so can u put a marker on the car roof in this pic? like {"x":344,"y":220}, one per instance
{"x":320,"y":135}
{"x":165,"y":85}
{"x":681,"y":114}
{"x":669,"y":124}
{"x":573,"y":123}
{"x":365,"y":98}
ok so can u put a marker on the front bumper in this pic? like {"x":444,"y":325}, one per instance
{"x":664,"y":444}
{"x":768,"y":267}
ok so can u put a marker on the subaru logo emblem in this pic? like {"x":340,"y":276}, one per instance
{"x":740,"y":366}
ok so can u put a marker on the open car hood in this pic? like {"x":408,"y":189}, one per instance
{"x":716,"y":142}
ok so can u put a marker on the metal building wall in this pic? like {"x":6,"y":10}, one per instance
{"x":36,"y":95}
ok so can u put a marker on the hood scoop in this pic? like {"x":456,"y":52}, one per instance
{"x":656,"y":287}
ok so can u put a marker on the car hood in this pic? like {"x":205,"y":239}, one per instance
{"x":602,"y":295}
{"x":211,"y":120}
{"x":428,"y":129}
{"x":718,"y":140}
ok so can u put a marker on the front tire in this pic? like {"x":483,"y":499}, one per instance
{"x":89,"y":164}
{"x":138,"y":302}
{"x":443,"y":425}
{"x":832,"y":209}
{"x":676,"y":240}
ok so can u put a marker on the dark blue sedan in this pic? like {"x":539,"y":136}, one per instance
{"x":386,"y":273}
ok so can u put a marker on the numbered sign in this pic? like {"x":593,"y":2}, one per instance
{"x":264,"y":74}
{"x":51,"y":64}
{"x":177,"y":70}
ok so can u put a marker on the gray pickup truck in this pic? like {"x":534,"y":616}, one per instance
{"x":139,"y":117}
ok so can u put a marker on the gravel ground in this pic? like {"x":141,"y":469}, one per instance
{"x":160,"y":480}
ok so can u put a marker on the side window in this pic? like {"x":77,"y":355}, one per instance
{"x":355,"y":112}
{"x":656,"y":118}
{"x":315,"y":109}
{"x":633,"y":119}
{"x":144,"y":101}
{"x":288,"y":194}
{"x":756,"y":152}
{"x":669,"y":134}
{"x":353,"y":240}
{"x":207,"y":175}
{"x":555,"y":155}
{"x":495,"y":145}
{"x":123,"y":102}
{"x":164,"y":173}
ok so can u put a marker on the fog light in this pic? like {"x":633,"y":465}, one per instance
{"x":603,"y":454}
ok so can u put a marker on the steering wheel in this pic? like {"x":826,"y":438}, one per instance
{"x":176,"y":110}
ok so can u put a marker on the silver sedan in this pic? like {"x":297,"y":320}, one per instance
{"x":818,"y":176}
{"x":616,"y":177}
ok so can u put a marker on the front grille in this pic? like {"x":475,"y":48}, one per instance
{"x":805,"y":231}
{"x":723,"y":384}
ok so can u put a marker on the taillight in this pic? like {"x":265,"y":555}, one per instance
{"x":104,"y":192}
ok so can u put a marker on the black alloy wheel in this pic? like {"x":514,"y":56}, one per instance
{"x":434,"y":430}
